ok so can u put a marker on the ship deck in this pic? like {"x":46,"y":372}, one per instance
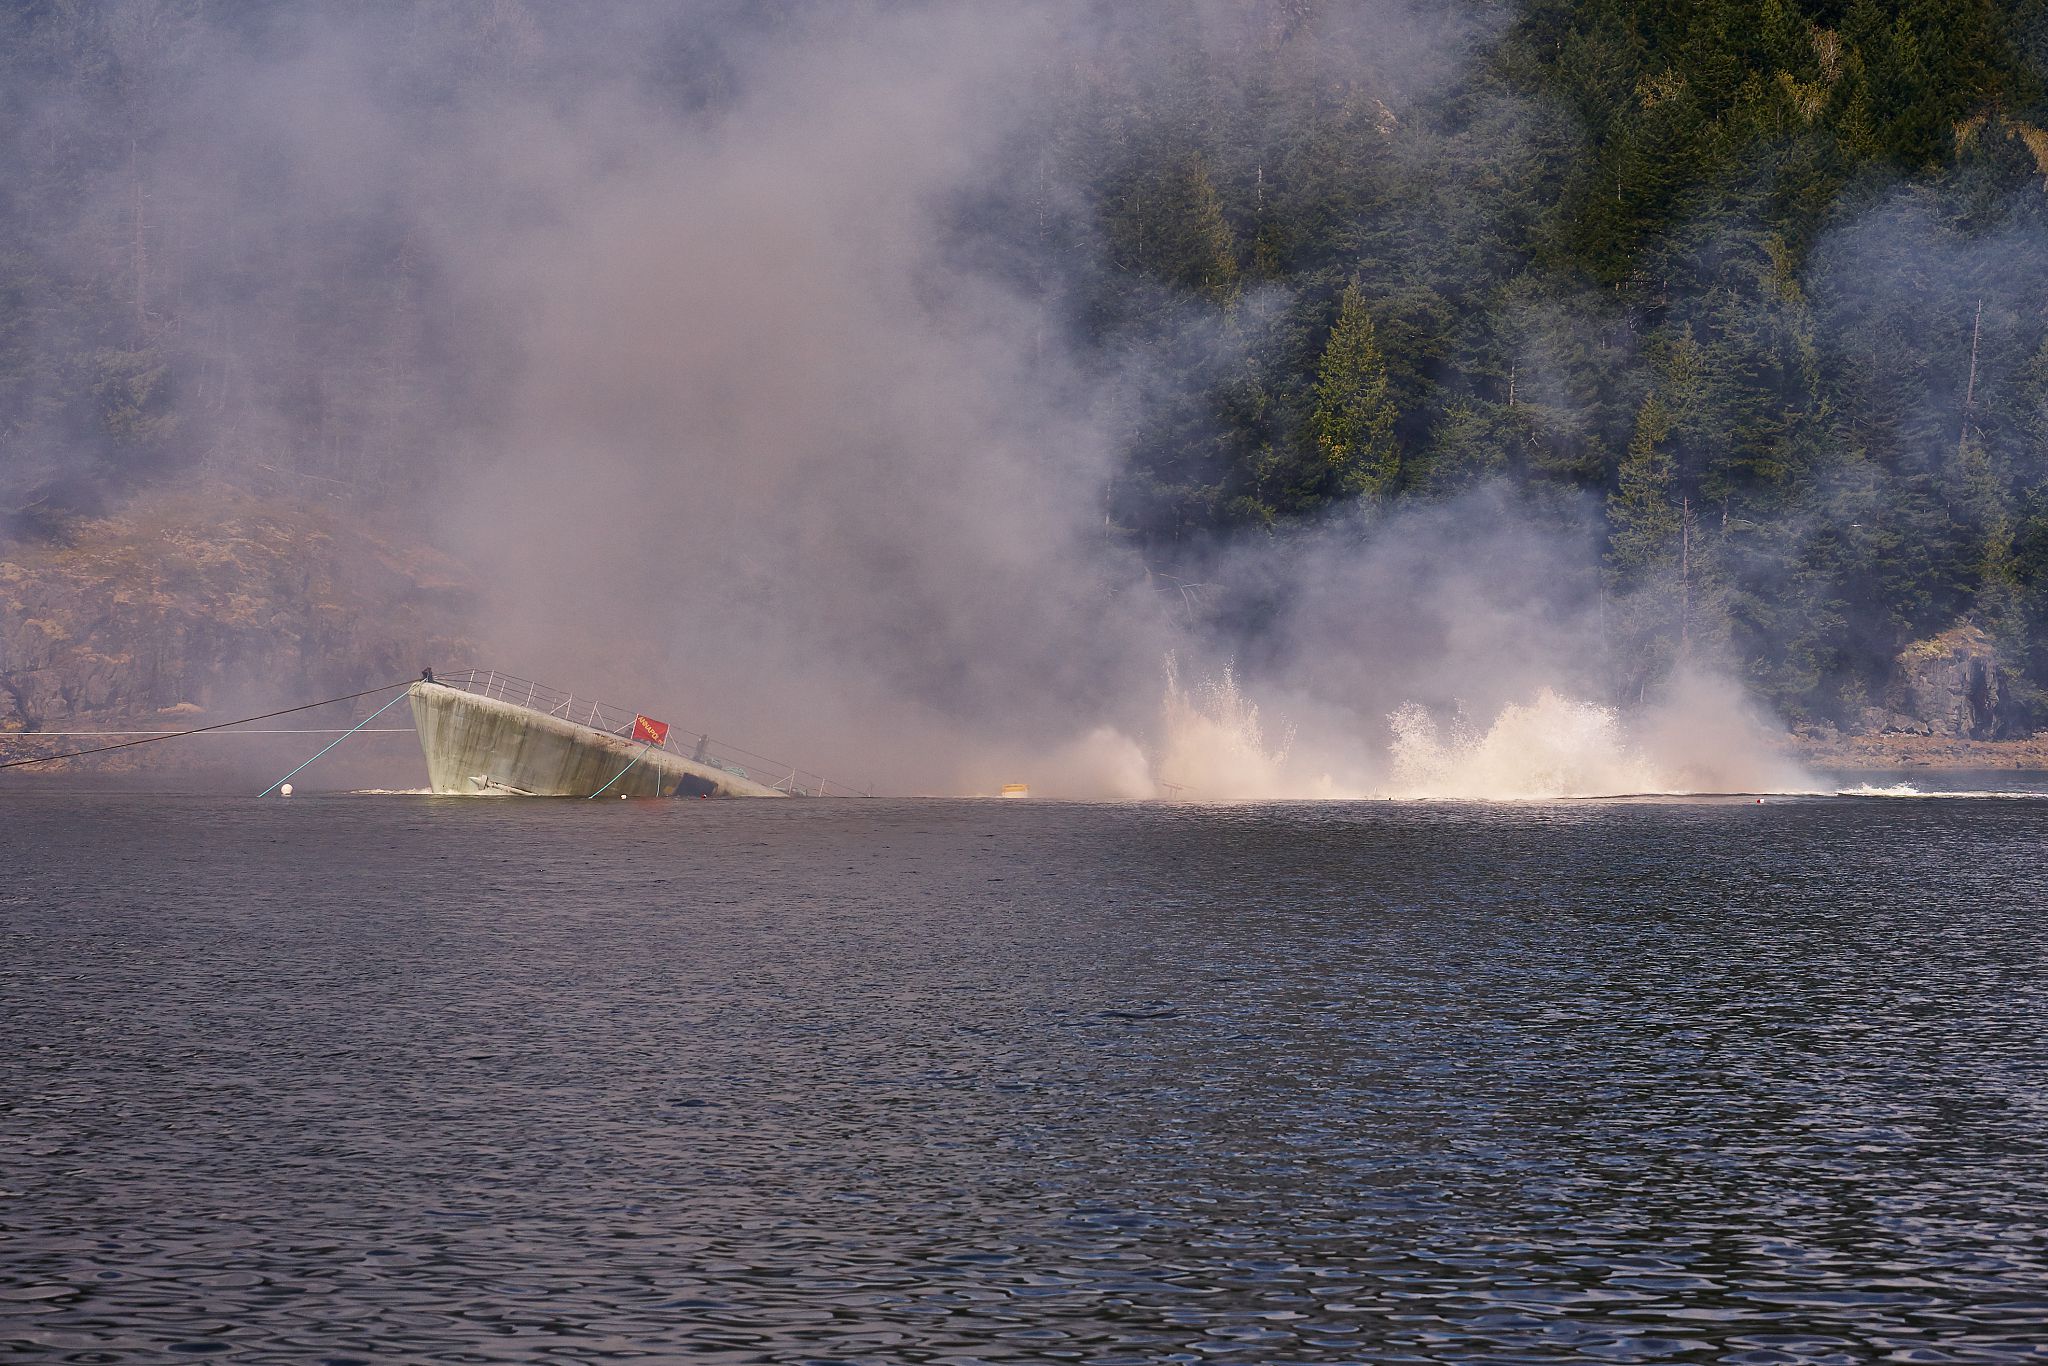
{"x":486,"y":733}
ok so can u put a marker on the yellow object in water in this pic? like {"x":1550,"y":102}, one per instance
{"x":1016,"y":789}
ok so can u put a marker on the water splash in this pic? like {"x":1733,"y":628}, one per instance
{"x":1702,"y":736}
{"x":1214,"y":746}
{"x":1551,"y":747}
{"x":1909,"y":791}
{"x":1886,"y":790}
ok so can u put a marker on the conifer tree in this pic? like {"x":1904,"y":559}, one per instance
{"x":1203,"y":245}
{"x":1353,"y":422}
{"x":1643,"y":510}
{"x":1171,"y":222}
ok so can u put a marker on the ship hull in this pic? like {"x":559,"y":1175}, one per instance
{"x":484,"y":746}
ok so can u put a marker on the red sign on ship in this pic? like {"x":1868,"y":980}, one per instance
{"x":652,"y":731}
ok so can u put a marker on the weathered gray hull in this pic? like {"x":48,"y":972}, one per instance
{"x":482,"y":745}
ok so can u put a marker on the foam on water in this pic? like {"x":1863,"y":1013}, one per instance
{"x":1909,"y":791}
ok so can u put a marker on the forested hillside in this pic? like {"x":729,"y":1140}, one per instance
{"x":1762,"y":284}
{"x":1766,"y":277}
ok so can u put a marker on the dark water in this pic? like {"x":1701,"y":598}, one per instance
{"x":372,"y":1079}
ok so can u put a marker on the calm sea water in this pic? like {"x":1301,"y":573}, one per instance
{"x":374,"y":1079}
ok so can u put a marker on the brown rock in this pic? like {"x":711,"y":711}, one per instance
{"x":208,"y":604}
{"x":1948,"y":685}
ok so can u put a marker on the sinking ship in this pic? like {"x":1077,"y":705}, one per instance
{"x":492,"y":734}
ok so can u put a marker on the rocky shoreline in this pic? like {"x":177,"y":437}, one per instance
{"x":1883,"y":752}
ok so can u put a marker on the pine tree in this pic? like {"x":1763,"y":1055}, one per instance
{"x":1353,"y":422}
{"x":1203,"y":250}
{"x":1171,"y":224}
{"x":1643,"y":510}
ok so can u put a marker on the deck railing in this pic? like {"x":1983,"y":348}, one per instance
{"x":618,"y":721}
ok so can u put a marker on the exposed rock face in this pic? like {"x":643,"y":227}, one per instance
{"x":202,"y":605}
{"x":1948,"y":686}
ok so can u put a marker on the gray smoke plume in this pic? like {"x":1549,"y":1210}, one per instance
{"x":731,"y":346}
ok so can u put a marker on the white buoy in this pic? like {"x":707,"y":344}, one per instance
{"x":285,"y":791}
{"x":622,"y":796}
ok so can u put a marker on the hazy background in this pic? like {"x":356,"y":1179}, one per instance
{"x":899,"y":387}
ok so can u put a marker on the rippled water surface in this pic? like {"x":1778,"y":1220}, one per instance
{"x":368,"y":1079}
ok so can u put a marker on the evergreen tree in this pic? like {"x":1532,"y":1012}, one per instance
{"x":1171,"y":224}
{"x":1643,"y":511}
{"x":1353,"y":422}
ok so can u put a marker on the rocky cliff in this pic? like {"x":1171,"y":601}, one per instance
{"x":1951,"y":687}
{"x":202,"y":606}
{"x":1948,"y":704}
{"x":1951,"y":684}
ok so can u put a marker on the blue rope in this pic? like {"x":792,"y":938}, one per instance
{"x":620,"y":774}
{"x":351,"y":731}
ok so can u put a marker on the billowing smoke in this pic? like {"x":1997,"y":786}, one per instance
{"x":733,"y":348}
{"x":785,"y":441}
{"x":773,"y":443}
